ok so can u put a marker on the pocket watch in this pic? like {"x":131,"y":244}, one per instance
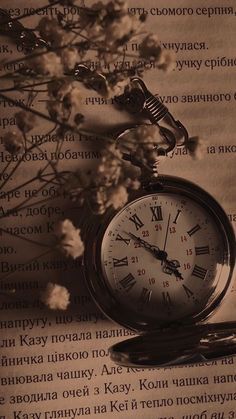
{"x":161,"y":266}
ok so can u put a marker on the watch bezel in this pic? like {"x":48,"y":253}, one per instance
{"x":100,"y":290}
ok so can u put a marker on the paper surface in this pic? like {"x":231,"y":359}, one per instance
{"x":56,"y":364}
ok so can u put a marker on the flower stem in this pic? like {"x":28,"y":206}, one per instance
{"x":5,"y":168}
{"x":16,"y":166}
{"x":63,"y":125}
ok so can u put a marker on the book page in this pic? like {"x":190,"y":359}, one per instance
{"x":56,"y":364}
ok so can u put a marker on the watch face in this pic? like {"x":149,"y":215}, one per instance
{"x":164,"y":258}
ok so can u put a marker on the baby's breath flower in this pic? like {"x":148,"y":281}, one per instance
{"x":66,"y":99}
{"x":75,"y":97}
{"x":121,"y":28}
{"x":110,"y":25}
{"x":70,"y":57}
{"x":108,"y":172}
{"x":13,"y":142}
{"x":70,"y":242}
{"x":117,"y":197}
{"x":48,"y":63}
{"x":120,"y":5}
{"x":144,"y":146}
{"x":166,"y":61}
{"x":133,"y":184}
{"x":76,"y":183}
{"x":50,"y":30}
{"x":57,"y":111}
{"x":117,"y":88}
{"x":150,"y":47}
{"x":102,"y":198}
{"x":25,"y":121}
{"x":109,"y":168}
{"x":59,"y":88}
{"x":56,"y":297}
{"x":98,"y":200}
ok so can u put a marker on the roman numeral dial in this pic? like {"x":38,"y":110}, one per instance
{"x":136,"y":221}
{"x":199,"y":272}
{"x":156,"y":212}
{"x":144,"y":297}
{"x":161,"y":258}
{"x":194,"y":230}
{"x":166,"y":299}
{"x":120,"y":262}
{"x":128,"y":282}
{"x":202,"y":250}
{"x":122,"y":239}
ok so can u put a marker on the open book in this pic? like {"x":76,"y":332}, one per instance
{"x":56,"y":364}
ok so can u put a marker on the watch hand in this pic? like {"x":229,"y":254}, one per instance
{"x":167,"y":231}
{"x":170,"y":267}
{"x":159,"y":254}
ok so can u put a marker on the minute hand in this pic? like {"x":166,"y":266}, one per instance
{"x":170,"y":266}
{"x":159,"y":254}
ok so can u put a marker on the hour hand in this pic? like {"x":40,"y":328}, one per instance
{"x":170,"y":266}
{"x":159,"y":254}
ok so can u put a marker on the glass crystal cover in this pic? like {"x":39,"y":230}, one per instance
{"x":163,"y":257}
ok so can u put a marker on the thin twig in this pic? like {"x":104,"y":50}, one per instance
{"x":5,"y":168}
{"x":64,"y":125}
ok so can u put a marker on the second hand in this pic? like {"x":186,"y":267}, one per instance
{"x":167,"y":231}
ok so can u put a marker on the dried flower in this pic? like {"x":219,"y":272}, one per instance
{"x":98,"y":200}
{"x":117,"y":87}
{"x":110,"y":25}
{"x":103,"y":198}
{"x":57,"y":111}
{"x":74,"y":98}
{"x":59,"y":88}
{"x":133,"y":184}
{"x":65,"y":99}
{"x":50,"y":30}
{"x":55,"y":297}
{"x":109,"y":168}
{"x":131,"y":176}
{"x":166,"y":61}
{"x":48,"y":64}
{"x":150,"y":47}
{"x":117,"y":196}
{"x":108,"y":172}
{"x":70,"y":57}
{"x":121,"y":29}
{"x":25,"y":121}
{"x":143,"y":144}
{"x":76,"y":185}
{"x":70,"y":242}
{"x":120,"y":5}
{"x":13,"y":142}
